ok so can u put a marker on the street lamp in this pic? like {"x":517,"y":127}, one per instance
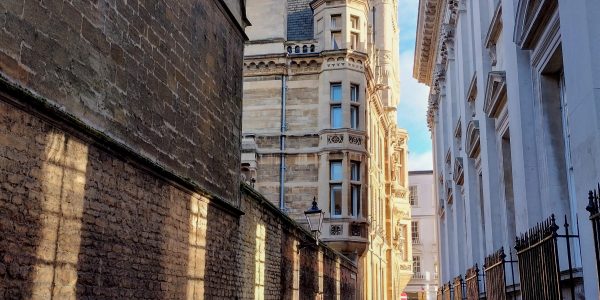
{"x":314,"y":216}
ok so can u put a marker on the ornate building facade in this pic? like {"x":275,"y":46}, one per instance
{"x":424,"y":236}
{"x":320,"y":95}
{"x":513,"y":112}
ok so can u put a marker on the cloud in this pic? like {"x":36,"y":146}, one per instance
{"x":412,"y":111}
{"x":420,"y":161}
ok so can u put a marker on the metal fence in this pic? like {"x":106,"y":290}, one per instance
{"x":448,"y":291}
{"x":539,"y":261}
{"x":459,"y":288}
{"x":472,"y":284}
{"x":495,"y":267}
{"x":594,"y":209}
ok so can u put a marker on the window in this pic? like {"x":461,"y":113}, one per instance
{"x":354,"y":117}
{"x":336,"y":116}
{"x":354,"y":40}
{"x":414,"y":196}
{"x":354,"y":200}
{"x":335,"y":92}
{"x":336,"y":199}
{"x":355,"y":171}
{"x":336,"y":21}
{"x":414,"y":226}
{"x":335,"y":178}
{"x":354,"y":92}
{"x":336,"y":40}
{"x":416,"y":264}
{"x":354,"y":203}
{"x":354,"y":22}
{"x":335,"y":170}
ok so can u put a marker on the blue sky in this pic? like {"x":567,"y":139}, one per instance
{"x":413,"y":95}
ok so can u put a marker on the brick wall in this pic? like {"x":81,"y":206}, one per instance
{"x":159,"y":76}
{"x":300,"y":20}
{"x":81,"y":218}
{"x":290,"y":273}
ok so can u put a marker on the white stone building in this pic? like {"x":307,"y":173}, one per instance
{"x":425,"y":258}
{"x":513,"y":110}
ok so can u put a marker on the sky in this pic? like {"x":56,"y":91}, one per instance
{"x":413,"y":95}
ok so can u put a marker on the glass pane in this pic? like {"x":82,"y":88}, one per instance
{"x":354,"y":40}
{"x":354,"y":206}
{"x":354,"y":117}
{"x":335,"y":21}
{"x":336,"y":199}
{"x":336,"y":92}
{"x":335,"y":170}
{"x":354,"y":92}
{"x":336,"y":40}
{"x":354,"y":22}
{"x":355,"y":170}
{"x":336,"y":116}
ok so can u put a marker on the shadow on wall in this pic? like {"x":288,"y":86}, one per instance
{"x":21,"y":198}
{"x":79,"y":221}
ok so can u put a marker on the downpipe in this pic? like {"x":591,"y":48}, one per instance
{"x":282,"y":167}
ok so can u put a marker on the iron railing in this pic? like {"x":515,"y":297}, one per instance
{"x":459,"y":288}
{"x":539,"y":261}
{"x":495,"y":267}
{"x":472,"y":283}
{"x":594,"y":209}
{"x":448,"y":291}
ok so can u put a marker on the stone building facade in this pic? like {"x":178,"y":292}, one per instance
{"x":120,"y":137}
{"x":425,"y":256}
{"x":513,"y":112}
{"x":320,"y":95}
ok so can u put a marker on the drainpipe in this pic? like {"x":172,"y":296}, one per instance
{"x":282,"y":143}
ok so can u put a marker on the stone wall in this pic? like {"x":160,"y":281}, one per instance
{"x":82,"y":217}
{"x":292,"y":272}
{"x":155,"y":75}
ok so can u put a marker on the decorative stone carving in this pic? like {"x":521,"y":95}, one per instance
{"x":335,"y":139}
{"x":355,"y":140}
{"x":335,"y":230}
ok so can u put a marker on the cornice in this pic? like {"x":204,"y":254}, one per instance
{"x":428,"y":24}
{"x":434,"y":47}
{"x":495,"y":94}
{"x":532,"y":17}
{"x":472,"y":139}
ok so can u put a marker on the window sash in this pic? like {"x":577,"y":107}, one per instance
{"x":335,"y":92}
{"x":335,"y":21}
{"x":336,"y":116}
{"x":354,"y":171}
{"x":336,"y":40}
{"x":354,"y":117}
{"x":354,"y":41}
{"x":354,"y":93}
{"x":354,"y":203}
{"x":415,"y":229}
{"x":335,"y":170}
{"x":335,"y":195}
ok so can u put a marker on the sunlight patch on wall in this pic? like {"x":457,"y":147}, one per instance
{"x":197,"y":248}
{"x":63,"y":183}
{"x":259,"y":262}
